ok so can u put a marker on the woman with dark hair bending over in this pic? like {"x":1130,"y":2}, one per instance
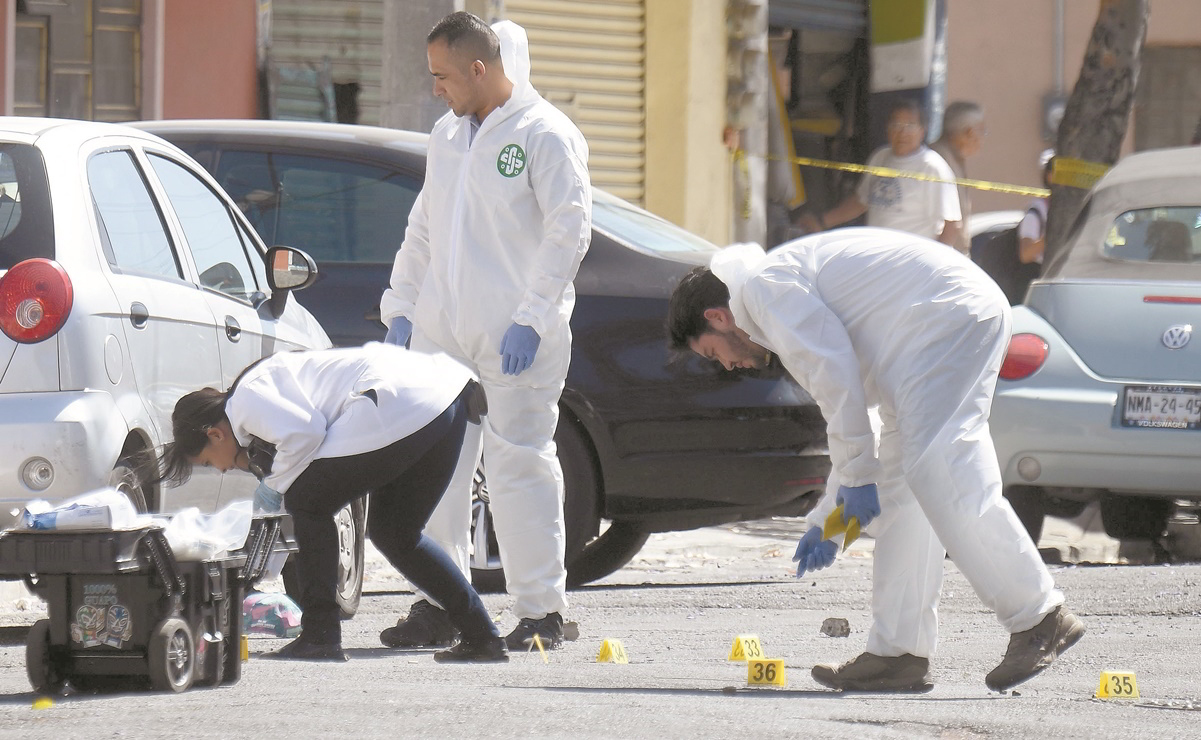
{"x":326,"y":427}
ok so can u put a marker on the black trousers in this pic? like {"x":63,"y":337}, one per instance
{"x":406,"y":480}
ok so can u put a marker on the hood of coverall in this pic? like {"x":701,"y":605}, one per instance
{"x":734,"y":265}
{"x":514,"y":54}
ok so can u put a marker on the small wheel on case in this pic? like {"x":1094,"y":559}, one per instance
{"x":44,"y":675}
{"x":171,"y":656}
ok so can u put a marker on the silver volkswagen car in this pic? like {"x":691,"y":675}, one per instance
{"x":127,"y":278}
{"x":1100,"y":393}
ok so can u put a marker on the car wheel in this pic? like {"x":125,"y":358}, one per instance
{"x":1134,"y":518}
{"x":351,"y":522}
{"x":1030,"y":505}
{"x":607,"y":553}
{"x":581,"y":508}
{"x":124,"y":478}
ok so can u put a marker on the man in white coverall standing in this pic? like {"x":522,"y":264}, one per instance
{"x":485,"y":275}
{"x":873,"y":316}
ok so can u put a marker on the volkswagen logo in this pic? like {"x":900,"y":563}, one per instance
{"x":1177,"y":336}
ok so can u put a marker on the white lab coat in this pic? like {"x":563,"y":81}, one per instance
{"x":311,"y":405}
{"x":496,"y":237}
{"x":866,"y":317}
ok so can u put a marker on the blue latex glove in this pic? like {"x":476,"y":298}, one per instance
{"x":267,"y":500}
{"x":814,"y":553}
{"x":400,"y":331}
{"x":861,"y":502}
{"x":518,"y":348}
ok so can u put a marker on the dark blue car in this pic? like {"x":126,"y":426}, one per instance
{"x":647,"y":444}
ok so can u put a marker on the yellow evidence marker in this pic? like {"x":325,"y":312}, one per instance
{"x":537,"y":642}
{"x":245,"y":649}
{"x":1117,"y":685}
{"x":612,"y":651}
{"x":43,"y":702}
{"x":745,"y":647}
{"x":766,"y":672}
{"x":835,"y":526}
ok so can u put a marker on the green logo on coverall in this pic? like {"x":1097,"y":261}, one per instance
{"x":511,"y":161}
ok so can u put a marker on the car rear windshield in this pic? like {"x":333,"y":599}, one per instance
{"x":640,"y":229}
{"x":26,"y":226}
{"x":1168,"y":234}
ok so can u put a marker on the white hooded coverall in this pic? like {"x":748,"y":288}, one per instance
{"x":869,"y":316}
{"x":496,"y":237}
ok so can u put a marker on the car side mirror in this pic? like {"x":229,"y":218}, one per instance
{"x":288,"y":269}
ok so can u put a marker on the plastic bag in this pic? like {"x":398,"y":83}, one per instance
{"x":105,"y":508}
{"x":270,"y":614}
{"x":196,"y":536}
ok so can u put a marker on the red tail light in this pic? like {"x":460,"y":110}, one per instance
{"x":35,"y":299}
{"x":1027,"y":353}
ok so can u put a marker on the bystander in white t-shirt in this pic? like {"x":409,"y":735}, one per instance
{"x":916,"y":206}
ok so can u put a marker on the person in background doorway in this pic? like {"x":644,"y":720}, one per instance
{"x":926,"y":207}
{"x":963,"y":132}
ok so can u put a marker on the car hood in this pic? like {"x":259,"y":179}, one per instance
{"x":1118,"y":329}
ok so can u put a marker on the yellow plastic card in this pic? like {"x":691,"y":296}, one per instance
{"x":835,"y":526}
{"x":612,"y":651}
{"x":746,"y":647}
{"x":1117,"y":685}
{"x":852,"y":533}
{"x":766,"y":672}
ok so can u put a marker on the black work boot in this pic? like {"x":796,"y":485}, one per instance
{"x":426,"y":626}
{"x":302,"y":649}
{"x":549,"y":630}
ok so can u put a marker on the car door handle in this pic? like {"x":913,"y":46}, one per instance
{"x":138,"y":315}
{"x":372,"y":315}
{"x":233,"y":329}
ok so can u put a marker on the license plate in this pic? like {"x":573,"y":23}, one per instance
{"x":1161,"y":407}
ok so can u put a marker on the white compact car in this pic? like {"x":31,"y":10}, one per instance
{"x":127,"y":278}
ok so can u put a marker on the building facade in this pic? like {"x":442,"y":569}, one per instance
{"x":120,"y":60}
{"x":692,"y":108}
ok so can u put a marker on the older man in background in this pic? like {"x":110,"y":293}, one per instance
{"x":963,"y":132}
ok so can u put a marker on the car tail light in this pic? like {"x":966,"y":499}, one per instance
{"x":1027,"y":353}
{"x":35,"y":299}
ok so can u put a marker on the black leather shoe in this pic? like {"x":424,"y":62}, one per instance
{"x":426,"y":626}
{"x":487,"y":649}
{"x":549,"y":630}
{"x":301,"y":649}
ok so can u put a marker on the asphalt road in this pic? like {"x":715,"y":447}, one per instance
{"x":676,"y":610}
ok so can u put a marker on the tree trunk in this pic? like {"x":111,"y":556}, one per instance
{"x":1098,"y":111}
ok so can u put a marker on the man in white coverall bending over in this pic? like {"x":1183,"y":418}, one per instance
{"x":485,"y":275}
{"x":874,"y":316}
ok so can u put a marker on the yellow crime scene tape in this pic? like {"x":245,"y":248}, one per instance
{"x":1076,"y":173}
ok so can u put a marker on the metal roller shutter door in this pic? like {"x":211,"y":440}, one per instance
{"x":589,"y":59}
{"x":847,"y":16}
{"x":349,"y":32}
